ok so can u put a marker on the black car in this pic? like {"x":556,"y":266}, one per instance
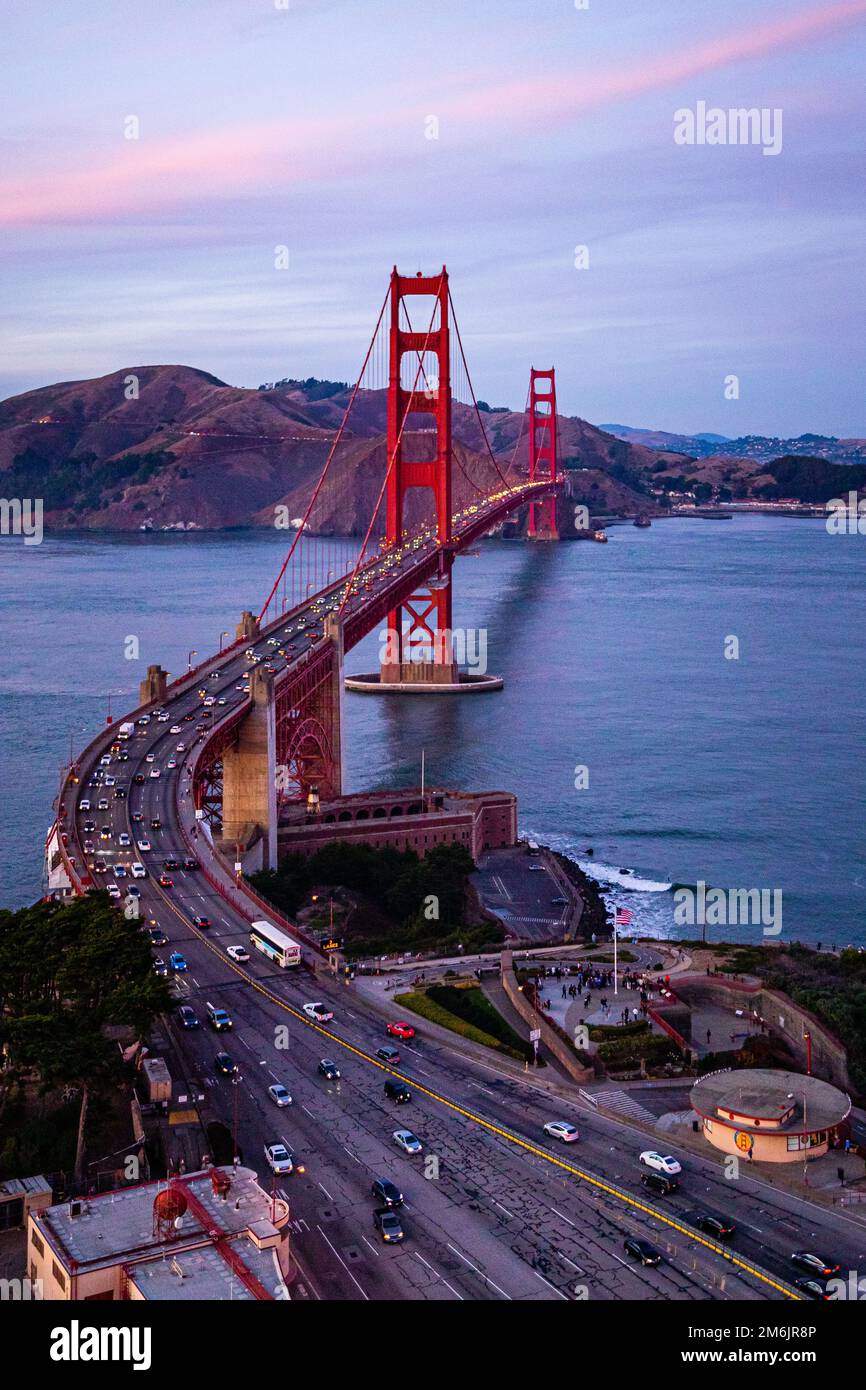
{"x":138,"y":779}
{"x":812,"y":1288}
{"x":187,"y":1017}
{"x":89,"y":827}
{"x":201,"y":922}
{"x":389,"y":1225}
{"x":120,"y":793}
{"x":398,"y":1091}
{"x":155,"y":823}
{"x":329,"y":1069}
{"x":190,"y":864}
{"x":389,"y":1054}
{"x":814,"y":1264}
{"x":136,"y":817}
{"x":719,"y":1227}
{"x":157,"y":937}
{"x":170,"y":864}
{"x":224,"y":1064}
{"x":387,"y":1192}
{"x":641,"y":1250}
{"x":658,"y":1183}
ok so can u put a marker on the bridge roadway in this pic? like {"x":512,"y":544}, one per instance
{"x":507,"y":1214}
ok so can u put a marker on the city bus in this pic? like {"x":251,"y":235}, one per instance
{"x":275,"y":944}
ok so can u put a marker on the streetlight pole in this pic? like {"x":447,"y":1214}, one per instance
{"x":193,"y":652}
{"x":222,"y":635}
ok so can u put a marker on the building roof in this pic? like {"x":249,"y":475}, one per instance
{"x":20,"y":1187}
{"x":117,"y":1228}
{"x":770,"y":1102}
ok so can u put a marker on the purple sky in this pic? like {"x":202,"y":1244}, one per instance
{"x":307,"y":126}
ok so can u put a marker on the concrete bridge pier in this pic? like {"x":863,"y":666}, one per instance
{"x":249,"y":784}
{"x":153,"y":688}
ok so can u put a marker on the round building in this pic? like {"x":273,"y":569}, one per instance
{"x":769,"y":1116}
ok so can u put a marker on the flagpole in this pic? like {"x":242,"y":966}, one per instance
{"x":615,"y":934}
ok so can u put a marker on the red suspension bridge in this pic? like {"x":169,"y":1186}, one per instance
{"x":271,"y":730}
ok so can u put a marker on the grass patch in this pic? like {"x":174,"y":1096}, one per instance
{"x":477,"y":1021}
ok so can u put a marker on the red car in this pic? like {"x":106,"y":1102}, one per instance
{"x":405,"y":1031}
{"x":165,"y":882}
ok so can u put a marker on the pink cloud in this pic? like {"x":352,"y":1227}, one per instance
{"x":146,"y":175}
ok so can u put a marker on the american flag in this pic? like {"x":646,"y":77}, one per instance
{"x":623,"y":916}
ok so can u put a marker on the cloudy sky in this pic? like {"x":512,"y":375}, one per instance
{"x":309,"y":125}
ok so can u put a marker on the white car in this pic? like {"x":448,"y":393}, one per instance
{"x":123,"y":839}
{"x":113,"y":891}
{"x":561,"y":1129}
{"x":84,"y":804}
{"x":105,"y":760}
{"x":320,"y":1012}
{"x":175,"y":729}
{"x":143,"y":846}
{"x":278,"y":1157}
{"x":208,"y":702}
{"x":170,"y":765}
{"x":279,"y":1095}
{"x":138,"y":870}
{"x":179,"y":748}
{"x":150,"y":758}
{"x":237,"y":953}
{"x":405,"y":1140}
{"x":162,"y":718}
{"x":660,"y":1162}
{"x":155,"y":772}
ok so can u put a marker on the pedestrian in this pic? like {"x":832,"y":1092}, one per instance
{"x":709,"y":1035}
{"x":563,"y":992}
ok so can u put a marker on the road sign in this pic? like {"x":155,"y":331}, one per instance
{"x":535,"y":1035}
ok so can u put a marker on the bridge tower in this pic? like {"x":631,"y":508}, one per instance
{"x":421,"y":626}
{"x":542,"y":452}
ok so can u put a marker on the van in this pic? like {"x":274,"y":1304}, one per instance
{"x":218,"y":1018}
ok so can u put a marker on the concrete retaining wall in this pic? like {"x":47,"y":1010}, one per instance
{"x":552,"y":1041}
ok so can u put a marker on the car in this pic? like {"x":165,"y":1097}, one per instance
{"x":175,"y":729}
{"x":136,"y":817}
{"x":398,"y":1091}
{"x":813,"y":1288}
{"x":171,"y":765}
{"x":119,"y":871}
{"x":109,"y":781}
{"x":105,"y":833}
{"x":133,"y":892}
{"x":320,"y":1012}
{"x":406,"y":1140}
{"x":123,"y":839}
{"x":201,"y":922}
{"x":403,"y":1031}
{"x":114,"y":891}
{"x":102,"y":805}
{"x":157,"y":936}
{"x":170,"y":864}
{"x":329,"y":1069}
{"x":659,"y":1183}
{"x":177,"y":961}
{"x":187,"y":1017}
{"x":562,"y":1130}
{"x":662,"y":1163}
{"x":389,"y":1055}
{"x":88,"y":846}
{"x":387,"y":1192}
{"x":224,"y":1064}
{"x":84,"y":804}
{"x":180,"y":747}
{"x":155,"y":823}
{"x":537,"y":869}
{"x":218,"y":1018}
{"x":143,"y":846}
{"x":162,"y":717}
{"x":160,"y":966}
{"x":722,"y":1228}
{"x":105,"y":760}
{"x":641,"y":1250}
{"x":237,"y":953}
{"x":150,"y":758}
{"x":138,"y":779}
{"x":190,"y":864}
{"x":187,"y":717}
{"x":814,"y":1264}
{"x":281,"y":1159}
{"x":558,"y":902}
{"x":165,"y":882}
{"x":155,"y":772}
{"x":89,"y":827}
{"x":389,"y":1225}
{"x":144,"y":720}
{"x":279,"y":1095}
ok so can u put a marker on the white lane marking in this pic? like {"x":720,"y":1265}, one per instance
{"x":307,"y":1111}
{"x":509,"y":1214}
{"x":558,"y":1292}
{"x":479,"y":1087}
{"x":570,"y":1262}
{"x":351,"y":1155}
{"x":456,"y":1252}
{"x":563,"y":1218}
{"x":377,"y":1253}
{"x":622,"y":1262}
{"x":326,"y":1192}
{"x":439,"y":1276}
{"x":345,"y":1266}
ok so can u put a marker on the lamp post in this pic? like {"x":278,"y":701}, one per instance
{"x":193,"y":652}
{"x":222,"y":635}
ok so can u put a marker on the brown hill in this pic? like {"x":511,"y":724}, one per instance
{"x":170,"y":446}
